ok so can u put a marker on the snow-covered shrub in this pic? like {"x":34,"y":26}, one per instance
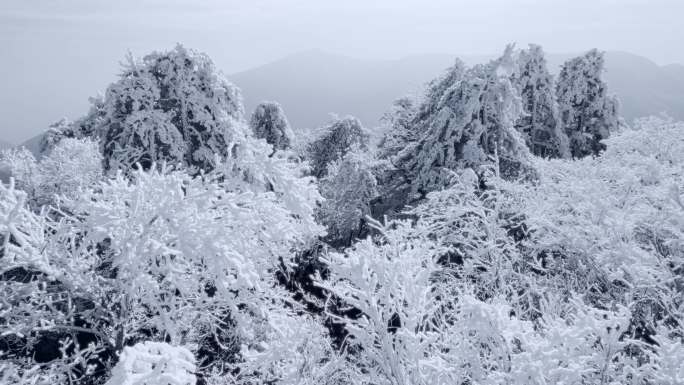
{"x":182,"y":248}
{"x":154,"y":363}
{"x":20,"y":165}
{"x":389,"y":283}
{"x":70,"y":166}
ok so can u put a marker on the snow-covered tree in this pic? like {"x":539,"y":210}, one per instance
{"x":588,"y":113}
{"x":539,"y":124}
{"x":348,"y":189}
{"x":169,"y":107}
{"x":336,"y":140}
{"x":399,"y":127}
{"x":269,"y":122}
{"x":470,"y":124}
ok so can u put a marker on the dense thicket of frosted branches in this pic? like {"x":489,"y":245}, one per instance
{"x":163,"y":239}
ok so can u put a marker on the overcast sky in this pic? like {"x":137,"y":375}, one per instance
{"x":55,"y":53}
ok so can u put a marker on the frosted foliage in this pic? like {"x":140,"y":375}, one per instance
{"x":70,"y":166}
{"x":588,"y":113}
{"x":337,"y":139}
{"x":419,"y":325}
{"x":348,"y":189}
{"x":539,"y":124}
{"x":21,"y":165}
{"x":399,"y":127}
{"x":22,"y":237}
{"x":398,"y":331}
{"x":171,"y":106}
{"x":154,"y":363}
{"x":579,"y":206}
{"x":55,"y":133}
{"x":298,"y":352}
{"x":170,"y":233}
{"x":477,"y":109}
{"x":269,"y":122}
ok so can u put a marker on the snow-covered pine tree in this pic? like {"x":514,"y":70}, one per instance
{"x":468,"y":124}
{"x":539,"y":124}
{"x":399,"y":124}
{"x":348,"y":189}
{"x":269,"y":122}
{"x":405,"y":125}
{"x":169,"y":107}
{"x":588,"y":113}
{"x":338,"y":138}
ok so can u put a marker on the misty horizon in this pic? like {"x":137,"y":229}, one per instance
{"x":68,"y":51}
{"x":33,"y":125}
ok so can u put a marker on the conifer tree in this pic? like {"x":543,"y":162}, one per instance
{"x":588,"y":113}
{"x":338,"y":138}
{"x":348,"y":189}
{"x":469,"y":122}
{"x":539,"y":124}
{"x":269,"y":122}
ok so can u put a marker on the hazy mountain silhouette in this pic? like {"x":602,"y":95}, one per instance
{"x":4,"y":144}
{"x":311,"y":85}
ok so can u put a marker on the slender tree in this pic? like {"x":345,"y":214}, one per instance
{"x":337,"y":139}
{"x":269,"y":122}
{"x":588,"y":112}
{"x":539,"y":123}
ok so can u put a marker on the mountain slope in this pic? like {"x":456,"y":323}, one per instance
{"x":313,"y":84}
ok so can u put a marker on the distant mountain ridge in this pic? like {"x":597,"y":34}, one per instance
{"x":311,"y":85}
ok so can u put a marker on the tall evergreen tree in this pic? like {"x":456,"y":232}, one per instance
{"x":468,"y":122}
{"x":269,"y":122}
{"x":587,"y":112}
{"x":399,"y":127}
{"x":539,"y":124}
{"x":348,"y":189}
{"x":339,"y":137}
